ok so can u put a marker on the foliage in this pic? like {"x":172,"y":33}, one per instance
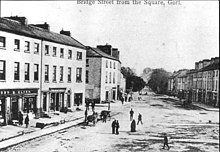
{"x":159,"y":81}
{"x":133,"y":82}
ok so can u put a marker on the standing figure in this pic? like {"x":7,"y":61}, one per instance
{"x":139,"y":119}
{"x":126,"y":97}
{"x":86,"y":114}
{"x":87,"y":105}
{"x":133,"y":126}
{"x":131,"y":114}
{"x":117,"y":127}
{"x":20,"y":118}
{"x":26,"y":121}
{"x":93,"y":105}
{"x":165,"y":142}
{"x":113,"y":126}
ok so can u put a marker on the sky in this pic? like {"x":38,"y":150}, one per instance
{"x":172,"y":37}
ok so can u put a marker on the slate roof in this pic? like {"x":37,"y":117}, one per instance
{"x":15,"y":27}
{"x":211,"y":67}
{"x":95,"y":52}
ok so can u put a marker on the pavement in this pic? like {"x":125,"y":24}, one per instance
{"x":11,"y":135}
{"x":199,"y":105}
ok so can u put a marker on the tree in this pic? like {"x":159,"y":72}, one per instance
{"x":133,"y":82}
{"x":159,"y":81}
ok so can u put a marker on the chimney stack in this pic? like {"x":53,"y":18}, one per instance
{"x":105,"y":48}
{"x":43,"y":26}
{"x":115,"y":53}
{"x":67,"y":33}
{"x":22,"y":20}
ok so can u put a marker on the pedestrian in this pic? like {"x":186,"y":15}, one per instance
{"x":20,"y":118}
{"x":131,"y":114}
{"x":86,"y":114}
{"x":87,"y":104}
{"x":133,"y":126}
{"x":93,"y":105}
{"x":139,"y":119}
{"x":113,"y":126}
{"x":117,"y":127}
{"x":104,"y":117}
{"x":126,"y":97}
{"x":165,"y":142}
{"x":26,"y":121}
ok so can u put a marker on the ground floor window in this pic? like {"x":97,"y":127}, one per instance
{"x":68,"y":101}
{"x":78,"y":99}
{"x":2,"y":108}
{"x":29,"y":104}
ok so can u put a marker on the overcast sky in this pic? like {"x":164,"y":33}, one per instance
{"x":170,"y":37}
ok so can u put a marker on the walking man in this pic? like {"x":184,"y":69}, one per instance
{"x":165,"y":142}
{"x":86,"y":114}
{"x":139,"y":119}
{"x":113,"y":126}
{"x":26,"y":121}
{"x":20,"y":118}
{"x":131,"y":114}
{"x":117,"y":127}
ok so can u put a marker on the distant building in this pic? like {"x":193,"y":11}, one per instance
{"x":103,"y":73}
{"x":40,"y":71}
{"x":200,"y":84}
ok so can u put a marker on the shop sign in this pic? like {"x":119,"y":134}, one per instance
{"x":17,"y":91}
{"x":57,"y":89}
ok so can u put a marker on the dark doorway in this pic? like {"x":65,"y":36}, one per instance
{"x":14,"y":108}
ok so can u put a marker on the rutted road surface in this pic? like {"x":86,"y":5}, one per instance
{"x":188,"y":129}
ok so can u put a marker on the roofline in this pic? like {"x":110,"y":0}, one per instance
{"x":40,"y":38}
{"x":101,"y":56}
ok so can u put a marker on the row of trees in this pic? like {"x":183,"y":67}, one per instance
{"x":157,"y":80}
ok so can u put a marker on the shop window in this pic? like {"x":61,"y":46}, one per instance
{"x":27,"y":46}
{"x":78,"y":98}
{"x":2,"y":107}
{"x":36,"y":72}
{"x":2,"y":70}
{"x":29,"y":104}
{"x":16,"y":71}
{"x":27,"y":72}
{"x":17,"y":45}
{"x":79,"y":56}
{"x":2,"y":42}
{"x":78,"y":74}
{"x":46,"y":76}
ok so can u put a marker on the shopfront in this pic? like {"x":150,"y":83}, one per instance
{"x":57,"y":99}
{"x":14,"y":100}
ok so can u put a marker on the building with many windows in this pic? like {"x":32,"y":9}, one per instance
{"x":200,"y":84}
{"x":40,"y":71}
{"x":103,"y":73}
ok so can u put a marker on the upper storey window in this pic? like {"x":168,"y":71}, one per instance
{"x":2,"y":41}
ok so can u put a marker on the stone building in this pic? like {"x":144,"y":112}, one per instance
{"x":103,"y":73}
{"x":40,"y":71}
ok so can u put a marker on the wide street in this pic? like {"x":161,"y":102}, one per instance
{"x":188,"y":130}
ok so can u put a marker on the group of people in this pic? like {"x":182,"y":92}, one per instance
{"x":21,"y":118}
{"x":133,"y":122}
{"x":115,"y":127}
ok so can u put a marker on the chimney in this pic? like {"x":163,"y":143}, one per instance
{"x":197,"y":65}
{"x":67,"y":33}
{"x":206,"y":62}
{"x":115,"y":53}
{"x":200,"y":64}
{"x":105,"y":48}
{"x":22,"y":20}
{"x":43,"y":26}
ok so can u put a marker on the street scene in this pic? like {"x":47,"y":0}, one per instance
{"x":188,"y":130}
{"x":109,"y":76}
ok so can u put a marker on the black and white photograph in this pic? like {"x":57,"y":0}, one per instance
{"x":109,"y":76}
